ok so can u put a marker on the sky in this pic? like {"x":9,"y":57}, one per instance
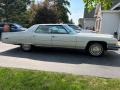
{"x":76,"y":9}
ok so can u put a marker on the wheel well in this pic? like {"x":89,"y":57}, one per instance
{"x":100,"y":42}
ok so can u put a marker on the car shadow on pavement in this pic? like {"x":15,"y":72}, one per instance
{"x":70,"y":56}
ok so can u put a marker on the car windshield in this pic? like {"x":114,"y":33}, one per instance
{"x":75,"y":30}
{"x":18,"y":25}
{"x":70,"y":30}
{"x":34,"y":27}
{"x":74,"y":27}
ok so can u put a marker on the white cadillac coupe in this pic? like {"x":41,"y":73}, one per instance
{"x":61,"y":35}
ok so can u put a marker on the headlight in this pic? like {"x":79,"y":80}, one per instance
{"x":118,"y":43}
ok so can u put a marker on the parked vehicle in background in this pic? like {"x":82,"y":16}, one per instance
{"x":13,"y":27}
{"x":79,"y":29}
{"x":61,"y":35}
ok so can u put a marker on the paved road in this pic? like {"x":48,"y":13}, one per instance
{"x":61,"y":60}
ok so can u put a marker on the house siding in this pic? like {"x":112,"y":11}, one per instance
{"x":88,"y":14}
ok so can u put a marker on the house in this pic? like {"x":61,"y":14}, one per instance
{"x":111,"y":21}
{"x":89,"y":20}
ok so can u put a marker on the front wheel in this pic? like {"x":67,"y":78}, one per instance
{"x":26,"y":47}
{"x":95,"y":49}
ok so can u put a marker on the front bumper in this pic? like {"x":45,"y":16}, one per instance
{"x":113,"y":47}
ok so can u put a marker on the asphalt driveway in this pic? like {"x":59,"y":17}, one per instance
{"x":61,"y":60}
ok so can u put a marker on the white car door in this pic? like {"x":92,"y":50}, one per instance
{"x":61,"y":38}
{"x":42,"y":36}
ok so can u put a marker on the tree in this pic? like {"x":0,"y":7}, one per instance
{"x":13,"y":9}
{"x":43,"y":17}
{"x":50,"y":11}
{"x":90,"y":4}
{"x":71,"y":21}
{"x":61,"y":8}
{"x":43,"y":14}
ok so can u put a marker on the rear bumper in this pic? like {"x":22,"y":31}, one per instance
{"x":113,"y":47}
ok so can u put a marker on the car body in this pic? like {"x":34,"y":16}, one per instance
{"x":61,"y":35}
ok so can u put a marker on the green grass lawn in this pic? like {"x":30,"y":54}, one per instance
{"x":18,"y":79}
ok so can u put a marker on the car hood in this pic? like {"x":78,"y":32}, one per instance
{"x":97,"y":35}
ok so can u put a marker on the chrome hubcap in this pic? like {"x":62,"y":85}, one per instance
{"x":96,"y":50}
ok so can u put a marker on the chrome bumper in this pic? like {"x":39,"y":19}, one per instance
{"x":113,"y":47}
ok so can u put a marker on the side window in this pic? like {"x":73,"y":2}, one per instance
{"x":43,"y":29}
{"x":58,"y":30}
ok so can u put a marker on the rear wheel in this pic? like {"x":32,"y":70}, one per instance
{"x":95,"y":49}
{"x":26,"y":47}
